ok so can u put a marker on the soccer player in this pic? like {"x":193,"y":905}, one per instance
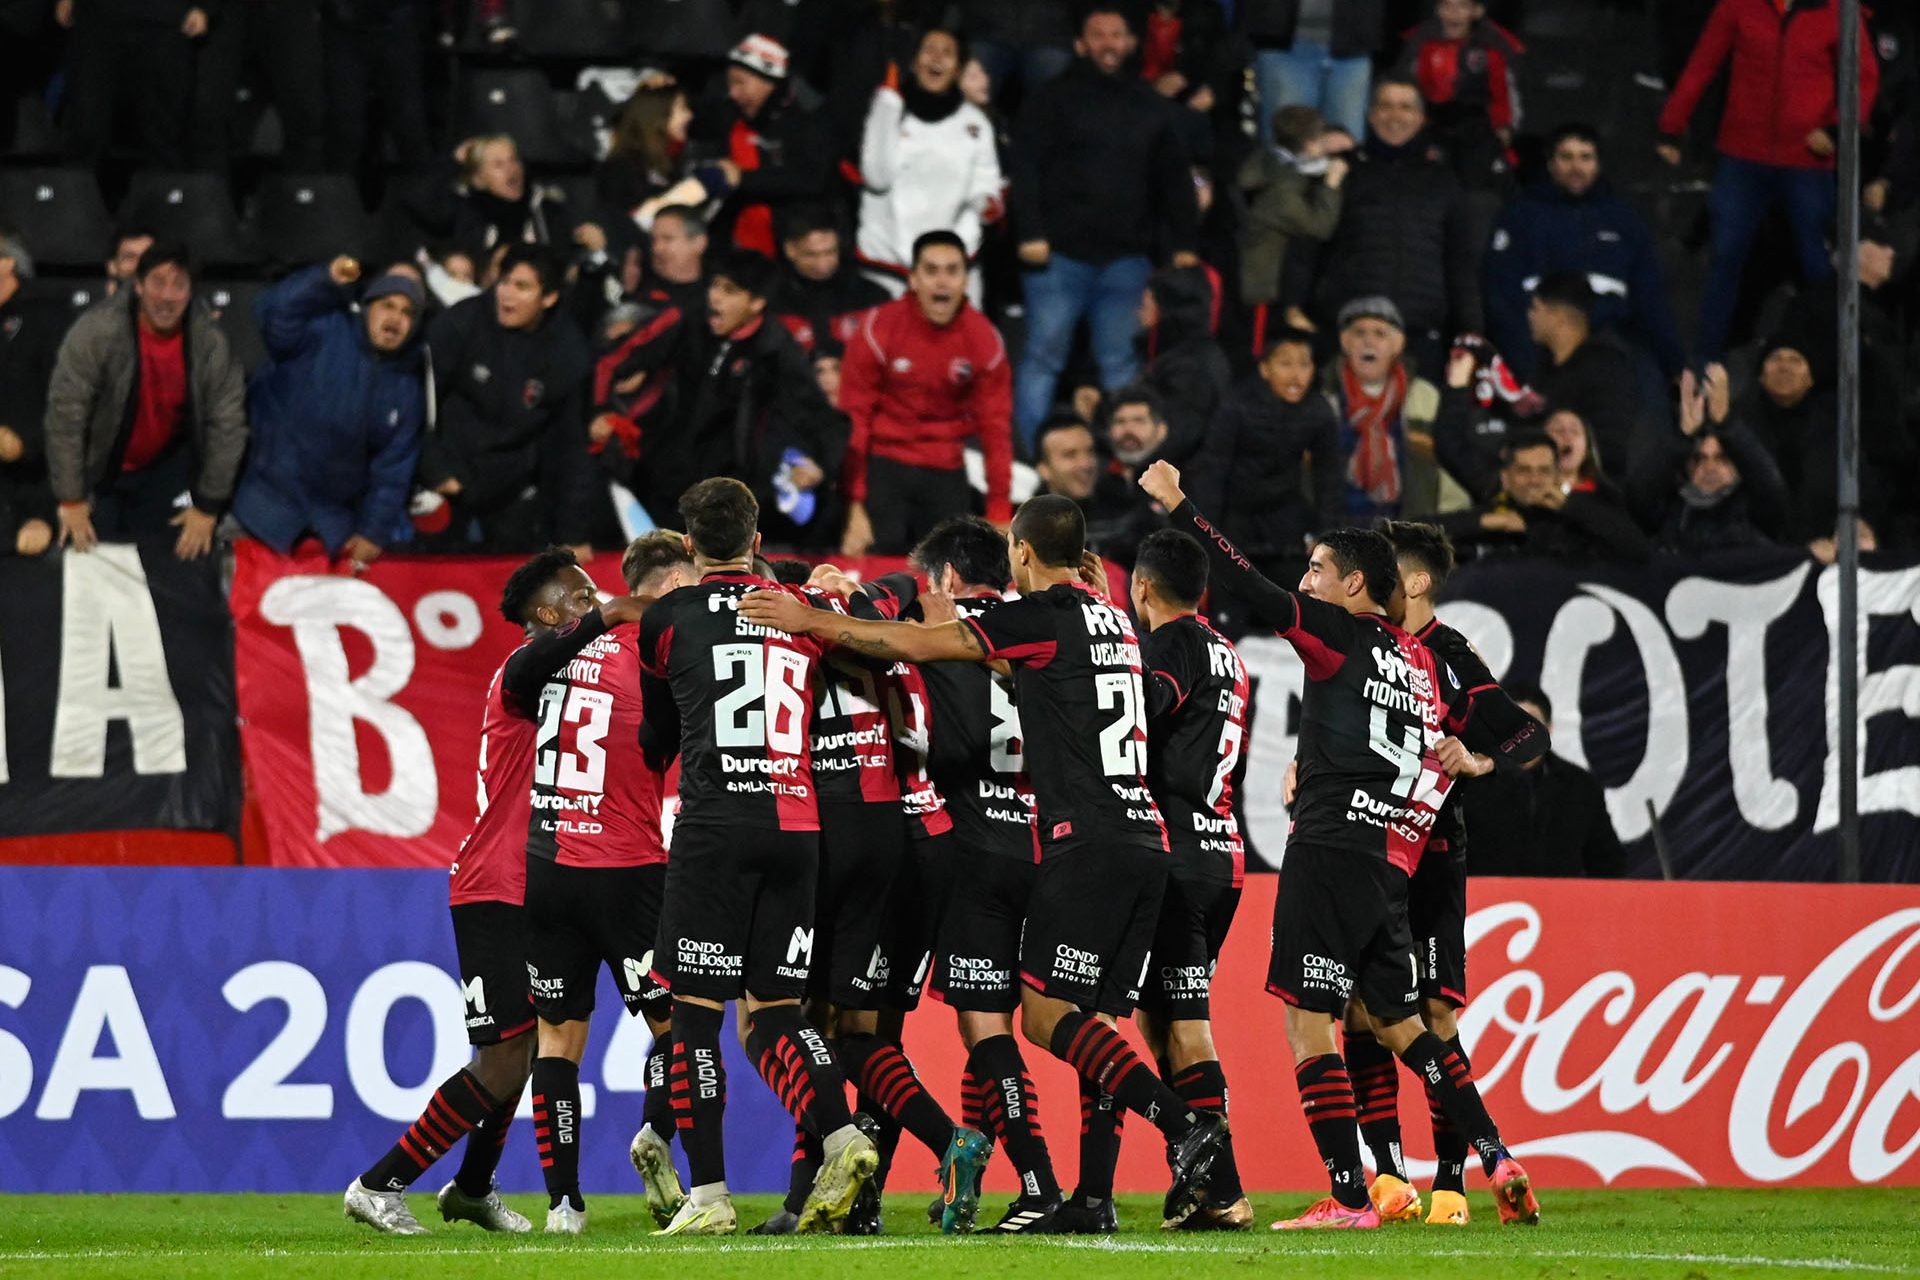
{"x":654,"y":564}
{"x":734,"y":700}
{"x":548,"y":596}
{"x":1196,"y":725}
{"x":1436,"y":906}
{"x":1373,"y":774}
{"x":1104,"y":851}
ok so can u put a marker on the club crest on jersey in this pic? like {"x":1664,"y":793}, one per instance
{"x":960,"y":371}
{"x":531,"y":393}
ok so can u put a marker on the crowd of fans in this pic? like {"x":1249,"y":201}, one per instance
{"x":530,"y":269}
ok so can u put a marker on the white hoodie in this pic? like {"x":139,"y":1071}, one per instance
{"x":923,"y":176}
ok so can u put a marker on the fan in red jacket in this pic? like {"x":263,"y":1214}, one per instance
{"x":1782,"y":104}
{"x":923,"y":373}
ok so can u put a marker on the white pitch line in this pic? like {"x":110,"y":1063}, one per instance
{"x":723,"y":1247}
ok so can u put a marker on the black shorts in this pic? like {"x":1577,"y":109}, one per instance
{"x":979,"y":950}
{"x":915,"y":911}
{"x":1437,"y":918}
{"x":862,"y":850}
{"x":490,"y":939}
{"x":738,"y":914}
{"x":1340,"y":932}
{"x":1195,"y":913}
{"x":1090,"y":925}
{"x":579,"y":917}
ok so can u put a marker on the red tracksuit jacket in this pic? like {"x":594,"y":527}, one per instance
{"x":1783,"y":85}
{"x":915,"y":391}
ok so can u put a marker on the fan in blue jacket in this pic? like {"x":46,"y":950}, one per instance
{"x":337,"y":412}
{"x":1573,"y":220}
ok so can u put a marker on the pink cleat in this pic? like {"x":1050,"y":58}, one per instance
{"x":1330,"y":1214}
{"x":1513,"y":1193}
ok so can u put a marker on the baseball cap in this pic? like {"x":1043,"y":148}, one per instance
{"x":762,"y":55}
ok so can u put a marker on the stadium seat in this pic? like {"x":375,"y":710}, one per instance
{"x":689,"y":29}
{"x":59,"y":213}
{"x":77,"y":294}
{"x":518,"y":102}
{"x":193,"y":207}
{"x":232,"y":304}
{"x":599,"y":29}
{"x":305,"y":218}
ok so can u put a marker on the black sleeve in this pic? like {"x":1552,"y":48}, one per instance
{"x":1601,"y":856}
{"x":1329,"y":476}
{"x":1605,"y":520}
{"x":1654,"y":478}
{"x":1019,"y":631}
{"x":886,"y":597}
{"x":1458,"y":453}
{"x":1174,"y":663}
{"x":539,"y":659}
{"x":659,"y":722}
{"x":1479,"y":710}
{"x":1760,"y":476}
{"x":567,"y":470}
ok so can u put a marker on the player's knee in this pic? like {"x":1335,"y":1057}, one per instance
{"x":563,"y":1039}
{"x":1441,"y":1018}
{"x":1188,"y":1042}
{"x":1037,"y":1023}
{"x":503,"y":1067}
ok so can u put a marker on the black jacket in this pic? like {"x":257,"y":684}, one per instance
{"x":30,"y":333}
{"x":1359,"y":26}
{"x":1403,"y":232}
{"x":1598,"y":382}
{"x":1801,"y":439}
{"x":1250,"y":472}
{"x":1099,"y":171}
{"x":1184,"y":364}
{"x":816,"y":309}
{"x":511,"y":414}
{"x":1593,"y":525}
{"x":1751,"y":515}
{"x":796,"y":156}
{"x":1546,"y":821}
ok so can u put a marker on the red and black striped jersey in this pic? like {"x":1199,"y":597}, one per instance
{"x":1491,"y":719}
{"x":492,"y":863}
{"x":852,"y":734}
{"x":735,"y":702}
{"x":1077,"y":670}
{"x":1196,"y":726}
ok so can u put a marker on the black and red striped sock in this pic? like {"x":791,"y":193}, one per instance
{"x":1449,"y":1079}
{"x":1203,"y":1086}
{"x":698,"y":1083}
{"x":973,"y":1100}
{"x":807,"y":1156}
{"x":460,"y":1103}
{"x":1107,"y":1062}
{"x":882,"y":1073}
{"x":1326,"y":1096}
{"x":1012,"y":1107}
{"x":556,"y":1128}
{"x":1376,"y":1095}
{"x":1100,"y":1121}
{"x":485,"y":1144}
{"x":656,"y":1110}
{"x":815,"y":1092}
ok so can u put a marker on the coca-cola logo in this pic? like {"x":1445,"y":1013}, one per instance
{"x":1786,"y":1069}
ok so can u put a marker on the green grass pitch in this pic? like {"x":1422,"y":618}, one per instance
{"x":1688,"y":1235}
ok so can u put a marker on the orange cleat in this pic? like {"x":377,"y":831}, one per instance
{"x":1330,"y":1214}
{"x":1395,"y":1200}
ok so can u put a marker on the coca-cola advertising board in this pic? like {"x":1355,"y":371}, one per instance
{"x":275,"y":1030}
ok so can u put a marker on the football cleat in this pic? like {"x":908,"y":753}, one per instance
{"x":716,"y":1218}
{"x":1190,"y":1160}
{"x":1396,"y":1201}
{"x":1237,"y":1216}
{"x":1031,"y":1216}
{"x":485,"y":1211}
{"x":780,"y":1224}
{"x":1330,"y":1214}
{"x":1086,"y":1216}
{"x":565,"y":1220}
{"x":384,"y":1211}
{"x":961,"y":1169}
{"x":838,"y":1183}
{"x":1513,"y":1193}
{"x":1449,"y":1209}
{"x":653,"y":1161}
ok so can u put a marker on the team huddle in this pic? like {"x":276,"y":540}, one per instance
{"x":990,"y":787}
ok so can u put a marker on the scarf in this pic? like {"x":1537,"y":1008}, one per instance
{"x":931,"y":107}
{"x":1374,"y":467}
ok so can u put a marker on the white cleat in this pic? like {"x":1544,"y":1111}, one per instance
{"x":653,"y":1161}
{"x":565,"y":1220}
{"x":485,"y":1211}
{"x":713,"y":1219}
{"x":384,"y":1211}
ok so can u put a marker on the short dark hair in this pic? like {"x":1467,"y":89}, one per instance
{"x":748,"y":270}
{"x":791,"y":573}
{"x":164,"y":253}
{"x":1527,"y":691}
{"x":524,"y":585}
{"x":1297,"y":124}
{"x":933,"y":240}
{"x":649,"y":553}
{"x":1525,"y":438}
{"x":721,"y":516}
{"x":690,"y":218}
{"x":1424,"y":544}
{"x":1579,"y":129}
{"x":1288,"y":336}
{"x":1096,"y":9}
{"x":1367,"y":553}
{"x":1138,"y":393}
{"x":1398,"y":79}
{"x":1053,"y":526}
{"x":1175,"y":563}
{"x":546,"y":267}
{"x":976,"y":550}
{"x":1566,"y":289}
{"x":805,"y":219}
{"x":1053,"y":424}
